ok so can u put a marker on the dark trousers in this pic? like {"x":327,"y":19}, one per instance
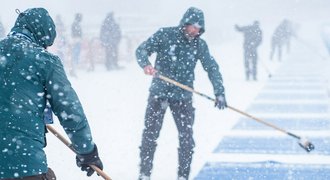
{"x":276,"y":47}
{"x":250,"y":63}
{"x":111,"y":57}
{"x":50,"y":175}
{"x":183,"y":113}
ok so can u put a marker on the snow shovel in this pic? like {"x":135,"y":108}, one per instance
{"x":69,"y":145}
{"x":303,"y":142}
{"x":266,"y":69}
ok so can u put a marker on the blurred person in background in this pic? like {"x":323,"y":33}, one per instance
{"x":2,"y":31}
{"x":281,"y":38}
{"x":76,"y":35}
{"x":325,"y":35}
{"x":252,"y":40}
{"x":110,"y":36}
{"x":60,"y":41}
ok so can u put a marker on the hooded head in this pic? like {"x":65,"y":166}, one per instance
{"x":194,"y":16}
{"x":78,"y":17}
{"x":37,"y":24}
{"x":256,"y":23}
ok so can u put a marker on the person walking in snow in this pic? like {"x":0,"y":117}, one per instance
{"x":76,"y":34}
{"x":178,"y":50}
{"x":110,"y":37}
{"x":325,"y":35}
{"x":30,"y":77}
{"x":2,"y":31}
{"x":281,"y":37}
{"x":61,"y":40}
{"x":252,"y":39}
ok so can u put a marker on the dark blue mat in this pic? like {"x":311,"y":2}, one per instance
{"x":288,"y":108}
{"x":268,"y":170}
{"x":291,"y":96}
{"x":286,"y":123}
{"x":270,"y":145}
{"x":295,"y":81}
{"x":292,"y":87}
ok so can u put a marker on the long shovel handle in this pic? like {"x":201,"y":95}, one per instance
{"x":69,"y":145}
{"x":230,"y":107}
{"x":262,"y":121}
{"x":183,"y":86}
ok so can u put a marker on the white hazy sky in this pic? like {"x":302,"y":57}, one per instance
{"x":168,"y":12}
{"x":140,"y":18}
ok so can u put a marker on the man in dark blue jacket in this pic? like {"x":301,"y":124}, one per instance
{"x":178,"y":50}
{"x":30,"y":77}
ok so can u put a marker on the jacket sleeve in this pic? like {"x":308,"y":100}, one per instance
{"x":66,"y":106}
{"x":211,"y":67}
{"x":241,"y":28}
{"x":151,"y":45}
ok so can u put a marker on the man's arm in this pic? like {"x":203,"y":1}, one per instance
{"x":67,"y":107}
{"x":241,"y":28}
{"x":151,"y":45}
{"x":212,"y":68}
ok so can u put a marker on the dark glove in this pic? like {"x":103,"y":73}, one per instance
{"x":220,"y":102}
{"x":84,"y":160}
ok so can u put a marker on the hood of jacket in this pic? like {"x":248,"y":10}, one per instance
{"x":193,"y":16}
{"x":37,"y":24}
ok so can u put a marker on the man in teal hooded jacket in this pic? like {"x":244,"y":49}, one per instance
{"x":29,"y":77}
{"x":178,"y":50}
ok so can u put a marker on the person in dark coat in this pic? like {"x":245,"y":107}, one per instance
{"x":178,"y":50}
{"x":252,"y":40}
{"x":30,"y":77}
{"x":76,"y":34}
{"x":281,"y":38}
{"x":61,"y":40}
{"x":2,"y":31}
{"x":110,"y":37}
{"x":325,"y":35}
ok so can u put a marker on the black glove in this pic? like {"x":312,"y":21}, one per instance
{"x":220,"y":102}
{"x":84,"y":160}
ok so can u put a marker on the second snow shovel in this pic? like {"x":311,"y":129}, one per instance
{"x":303,"y":142}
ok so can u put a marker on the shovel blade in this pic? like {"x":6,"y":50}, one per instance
{"x":308,"y":146}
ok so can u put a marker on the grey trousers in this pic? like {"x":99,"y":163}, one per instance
{"x":183,"y":113}
{"x":250,"y":63}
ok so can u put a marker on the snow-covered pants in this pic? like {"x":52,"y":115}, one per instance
{"x":183,"y":113}
{"x":250,"y":62}
{"x":111,"y":57}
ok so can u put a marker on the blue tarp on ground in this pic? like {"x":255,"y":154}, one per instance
{"x":296,"y":100}
{"x":270,"y":145}
{"x":291,"y":96}
{"x":291,"y":87}
{"x":311,"y":123}
{"x":288,"y":108}
{"x":268,"y":170}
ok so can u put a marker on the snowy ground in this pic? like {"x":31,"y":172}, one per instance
{"x":295,"y":99}
{"x":115,"y":104}
{"x":115,"y":101}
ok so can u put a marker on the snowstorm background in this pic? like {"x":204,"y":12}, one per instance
{"x":115,"y":101}
{"x":147,"y":15}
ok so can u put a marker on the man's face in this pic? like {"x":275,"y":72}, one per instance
{"x":191,"y":31}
